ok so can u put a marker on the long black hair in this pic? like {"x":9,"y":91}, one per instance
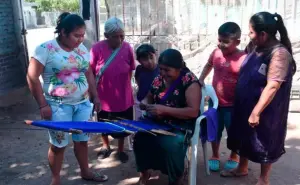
{"x":172,"y":58}
{"x":144,"y":51}
{"x":271,"y":24}
{"x":68,"y":22}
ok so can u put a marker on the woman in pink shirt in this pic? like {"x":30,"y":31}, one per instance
{"x":114,"y":58}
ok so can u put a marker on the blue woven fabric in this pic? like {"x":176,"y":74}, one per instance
{"x":101,"y":127}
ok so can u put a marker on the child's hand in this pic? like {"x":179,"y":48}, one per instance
{"x":207,"y":98}
{"x":143,"y":106}
{"x":156,"y":110}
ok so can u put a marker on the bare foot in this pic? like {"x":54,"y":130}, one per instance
{"x":144,"y":177}
{"x":234,"y":173}
{"x":55,"y":182}
{"x":234,"y":157}
{"x":262,"y":182}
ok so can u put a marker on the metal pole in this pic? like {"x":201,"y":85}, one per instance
{"x":243,"y":4}
{"x":226,"y":10}
{"x":173,"y":20}
{"x":294,"y":15}
{"x":157,"y":16}
{"x":123,"y":7}
{"x":283,"y":10}
{"x":254,"y":6}
{"x":24,"y":33}
{"x":96,"y":14}
{"x":166,"y":11}
{"x":294,"y":10}
{"x":141,"y":18}
{"x":207,"y":2}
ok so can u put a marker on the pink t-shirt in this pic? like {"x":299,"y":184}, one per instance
{"x":114,"y":88}
{"x":226,"y":71}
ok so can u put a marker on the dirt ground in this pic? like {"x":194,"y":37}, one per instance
{"x":23,"y":156}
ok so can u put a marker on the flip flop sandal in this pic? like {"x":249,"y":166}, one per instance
{"x":231,"y":164}
{"x":214,"y":164}
{"x":104,"y":153}
{"x":97,"y":177}
{"x":232,"y":173}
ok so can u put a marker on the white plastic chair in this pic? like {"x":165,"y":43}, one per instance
{"x":136,"y":112}
{"x":209,"y":91}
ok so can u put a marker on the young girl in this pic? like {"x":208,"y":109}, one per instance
{"x":144,"y":75}
{"x":147,"y":71}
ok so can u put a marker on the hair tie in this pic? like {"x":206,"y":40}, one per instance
{"x":64,"y":18}
{"x":275,"y":16}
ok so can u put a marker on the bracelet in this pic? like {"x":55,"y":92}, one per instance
{"x":43,"y":106}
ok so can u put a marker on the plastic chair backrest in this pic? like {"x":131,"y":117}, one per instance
{"x":209,"y":91}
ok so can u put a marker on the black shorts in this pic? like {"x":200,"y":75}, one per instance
{"x":127,"y":114}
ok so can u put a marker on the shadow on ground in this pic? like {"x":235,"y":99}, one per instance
{"x":23,"y":157}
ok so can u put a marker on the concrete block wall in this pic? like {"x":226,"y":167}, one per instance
{"x":12,"y":72}
{"x":7,"y":34}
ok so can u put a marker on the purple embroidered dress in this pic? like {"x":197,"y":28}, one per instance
{"x":265,"y":142}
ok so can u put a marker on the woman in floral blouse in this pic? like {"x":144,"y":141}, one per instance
{"x":64,"y":95}
{"x":174,"y":100}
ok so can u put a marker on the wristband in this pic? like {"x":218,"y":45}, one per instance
{"x":43,"y":106}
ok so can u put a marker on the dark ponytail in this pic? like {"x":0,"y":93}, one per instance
{"x":271,"y":24}
{"x":68,"y":22}
{"x":284,"y":38}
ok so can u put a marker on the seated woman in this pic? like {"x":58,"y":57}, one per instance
{"x":174,"y":99}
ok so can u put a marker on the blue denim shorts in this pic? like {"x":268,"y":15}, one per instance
{"x":66,"y":112}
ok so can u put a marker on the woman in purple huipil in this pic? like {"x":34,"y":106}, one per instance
{"x":261,"y":105}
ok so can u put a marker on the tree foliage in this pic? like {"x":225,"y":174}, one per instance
{"x":57,"y":5}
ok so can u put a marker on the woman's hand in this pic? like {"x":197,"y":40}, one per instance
{"x":156,"y":110}
{"x":46,"y":112}
{"x":97,"y":105}
{"x":93,"y":89}
{"x":265,"y":99}
{"x":253,"y":119}
{"x":202,"y":83}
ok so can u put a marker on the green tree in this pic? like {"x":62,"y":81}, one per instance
{"x":57,"y":5}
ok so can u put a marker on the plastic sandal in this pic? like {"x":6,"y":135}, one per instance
{"x":214,"y":165}
{"x":231,"y":164}
{"x":97,"y":177}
